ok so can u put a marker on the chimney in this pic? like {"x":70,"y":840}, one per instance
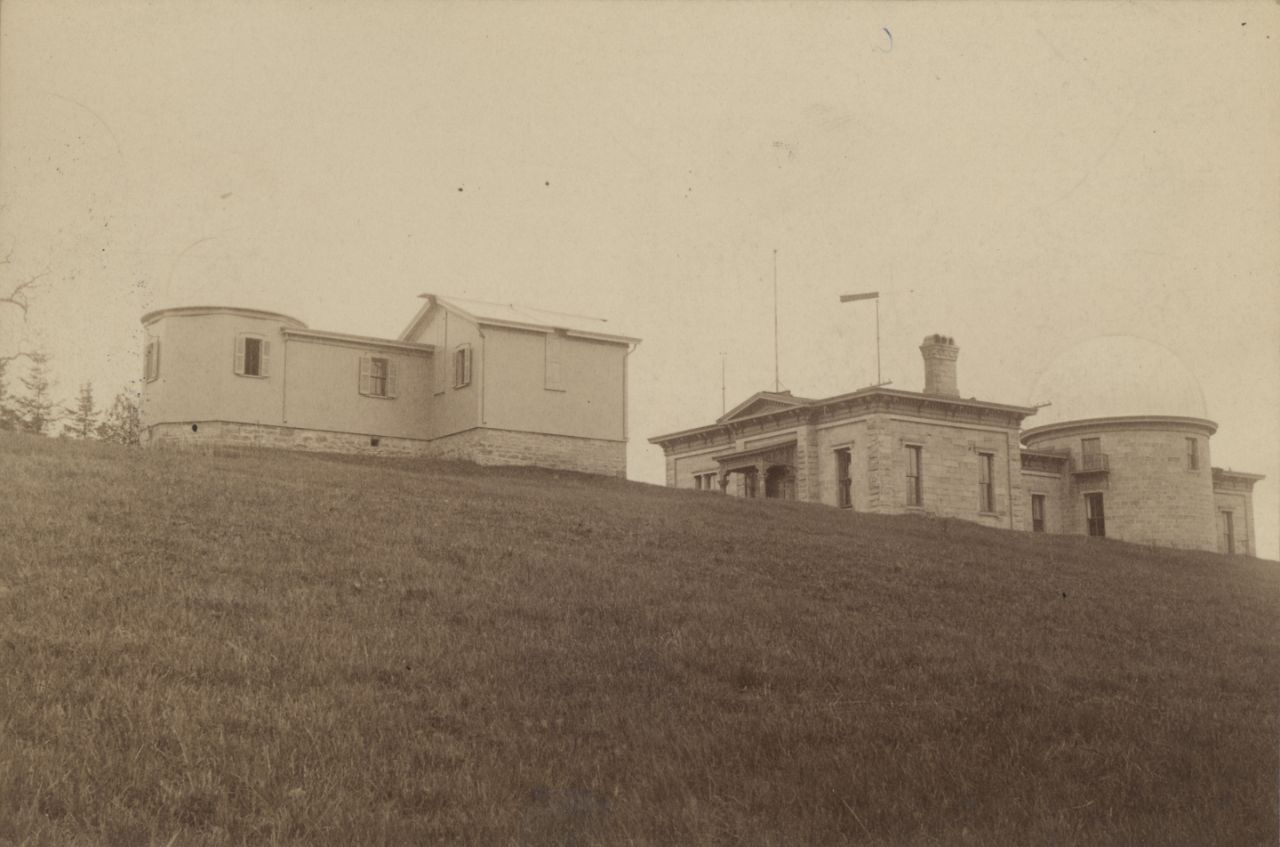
{"x":940,"y":353}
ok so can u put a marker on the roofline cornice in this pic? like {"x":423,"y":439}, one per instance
{"x":200,"y":311}
{"x":1130,"y":422}
{"x":875,"y":399}
{"x":347,"y":340}
{"x":542,"y":328}
{"x":1226,"y":473}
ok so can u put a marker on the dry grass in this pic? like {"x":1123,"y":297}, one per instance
{"x":240,"y":647}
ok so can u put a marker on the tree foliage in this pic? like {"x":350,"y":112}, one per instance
{"x":36,"y":411}
{"x":122,"y":424}
{"x":83,"y":416}
{"x":8,"y":416}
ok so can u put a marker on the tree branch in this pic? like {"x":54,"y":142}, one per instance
{"x":17,"y":296}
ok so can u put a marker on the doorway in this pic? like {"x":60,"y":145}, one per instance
{"x":1095,"y":515}
{"x":779,"y":483}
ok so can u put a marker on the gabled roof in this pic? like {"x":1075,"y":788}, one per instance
{"x":763,"y":402}
{"x":518,"y":317}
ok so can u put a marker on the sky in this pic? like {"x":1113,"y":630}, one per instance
{"x":1024,"y":177}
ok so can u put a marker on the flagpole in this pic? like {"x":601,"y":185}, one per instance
{"x":722,"y":387}
{"x":869,"y":295}
{"x":777,"y":380}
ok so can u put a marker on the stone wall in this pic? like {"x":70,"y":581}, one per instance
{"x":482,"y":446}
{"x":950,"y":468}
{"x":1149,"y":494}
{"x":508,"y":447}
{"x":851,"y":436}
{"x":1051,"y":486}
{"x":282,"y":437}
{"x":1240,"y":505}
{"x":683,"y":467}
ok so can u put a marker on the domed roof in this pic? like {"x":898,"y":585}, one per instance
{"x":1115,"y":376}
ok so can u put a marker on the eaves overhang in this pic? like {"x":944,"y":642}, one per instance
{"x":358,"y":340}
{"x":436,"y":301}
{"x":1203,"y":426}
{"x":200,"y":311}
{"x":875,"y":399}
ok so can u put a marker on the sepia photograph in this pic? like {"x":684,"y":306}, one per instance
{"x":639,"y":423}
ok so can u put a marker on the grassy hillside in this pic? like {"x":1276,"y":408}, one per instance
{"x":232,"y":647}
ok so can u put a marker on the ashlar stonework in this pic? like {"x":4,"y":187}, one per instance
{"x":1142,"y":477}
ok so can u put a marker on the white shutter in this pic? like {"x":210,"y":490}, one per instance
{"x":554,"y":369}
{"x":264,"y":358}
{"x":462,"y":366}
{"x":366,"y":375}
{"x":239,"y":364}
{"x":391,"y":378}
{"x":150,"y":358}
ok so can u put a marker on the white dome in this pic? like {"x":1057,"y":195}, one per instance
{"x":1114,"y":376}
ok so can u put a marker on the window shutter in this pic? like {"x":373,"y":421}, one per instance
{"x":239,"y":365}
{"x":462,"y":366}
{"x":366,"y":375}
{"x":391,"y":377}
{"x":554,"y":378}
{"x":264,"y":358}
{"x":150,"y":360}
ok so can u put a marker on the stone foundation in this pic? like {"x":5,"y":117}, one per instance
{"x":508,"y":447}
{"x":232,"y":434}
{"x":482,"y":446}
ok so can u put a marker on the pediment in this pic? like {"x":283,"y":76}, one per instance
{"x":761,"y":403}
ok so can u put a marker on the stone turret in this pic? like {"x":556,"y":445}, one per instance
{"x":940,"y":353}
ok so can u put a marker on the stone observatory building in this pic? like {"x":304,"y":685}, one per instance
{"x":1121,"y":451}
{"x":1129,"y":421}
{"x":491,"y":383}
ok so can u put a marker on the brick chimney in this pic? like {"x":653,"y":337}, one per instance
{"x":940,"y":353}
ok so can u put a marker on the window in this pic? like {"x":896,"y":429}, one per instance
{"x":1228,"y":541}
{"x":915,"y":481}
{"x":705,"y":481}
{"x":986,"y":482}
{"x":1094,"y":515}
{"x":553,"y":369}
{"x":253,"y":355}
{"x":461,"y":365}
{"x":151,"y":360}
{"x":844,"y":478}
{"x":1092,"y":458}
{"x":377,"y":377}
{"x":1193,"y":454}
{"x":1037,"y":513}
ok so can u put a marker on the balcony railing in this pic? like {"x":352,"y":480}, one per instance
{"x":1091,"y":463}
